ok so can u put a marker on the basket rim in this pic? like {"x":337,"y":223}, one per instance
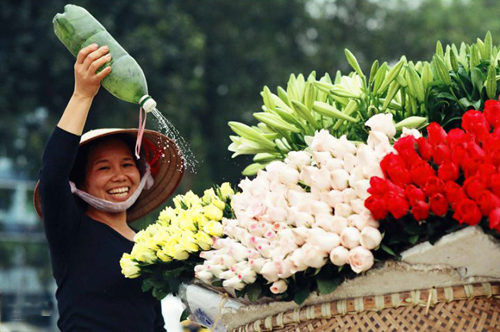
{"x":355,"y":305}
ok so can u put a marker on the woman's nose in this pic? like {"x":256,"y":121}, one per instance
{"x":119,"y":175}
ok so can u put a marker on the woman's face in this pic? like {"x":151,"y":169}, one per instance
{"x":111,"y":173}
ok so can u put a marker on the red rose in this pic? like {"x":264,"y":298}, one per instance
{"x":485,"y":172}
{"x":436,"y":134}
{"x":487,"y":201}
{"x":420,"y":210}
{"x":475,"y":123}
{"x":473,"y":185}
{"x":378,"y":186}
{"x":459,"y":153}
{"x":434,"y":185}
{"x":448,"y":171}
{"x":454,"y":193}
{"x":421,"y":172}
{"x":405,"y":147}
{"x":469,"y":167}
{"x":495,"y":219}
{"x":475,"y":152}
{"x":377,"y":207}
{"x":441,"y":153}
{"x":455,"y":136}
{"x":414,"y":194}
{"x":467,"y":212}
{"x":396,"y":204}
{"x":438,"y":204}
{"x":494,"y":184}
{"x":492,"y":112}
{"x":424,"y":148}
{"x":394,"y":167}
{"x":492,"y":149}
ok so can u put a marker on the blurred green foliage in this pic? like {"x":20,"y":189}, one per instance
{"x":207,"y":61}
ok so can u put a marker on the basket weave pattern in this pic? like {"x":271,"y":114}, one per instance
{"x":473,"y":307}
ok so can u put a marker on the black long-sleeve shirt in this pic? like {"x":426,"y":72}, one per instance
{"x":92,"y":293}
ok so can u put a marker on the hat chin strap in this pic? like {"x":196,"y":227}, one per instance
{"x":147,"y":182}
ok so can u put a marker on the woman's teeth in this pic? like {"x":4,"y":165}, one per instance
{"x":119,"y":191}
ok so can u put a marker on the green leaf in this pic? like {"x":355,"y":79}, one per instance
{"x":302,"y":294}
{"x":327,"y":284}
{"x":253,"y":291}
{"x":185,"y":315}
{"x":388,"y":250}
{"x":217,"y":283}
{"x":413,"y":239}
{"x":146,"y":286}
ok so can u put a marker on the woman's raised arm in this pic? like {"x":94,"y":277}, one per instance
{"x":87,"y":84}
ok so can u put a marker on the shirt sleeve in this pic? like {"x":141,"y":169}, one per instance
{"x":61,"y":215}
{"x":159,"y":322}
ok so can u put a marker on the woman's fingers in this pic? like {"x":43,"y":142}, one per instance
{"x":84,"y":52}
{"x":93,"y":56}
{"x":99,"y":63}
{"x":103,"y":73}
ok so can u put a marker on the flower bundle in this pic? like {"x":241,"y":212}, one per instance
{"x":303,"y":216}
{"x":166,"y":251}
{"x":445,"y":176}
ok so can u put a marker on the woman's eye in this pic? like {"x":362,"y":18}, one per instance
{"x":103,"y":168}
{"x":128,"y":165}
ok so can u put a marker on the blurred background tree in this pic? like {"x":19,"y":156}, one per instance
{"x":207,"y":61}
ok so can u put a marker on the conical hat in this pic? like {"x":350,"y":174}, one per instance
{"x":165,"y":159}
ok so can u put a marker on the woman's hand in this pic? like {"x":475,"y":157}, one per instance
{"x":88,"y":61}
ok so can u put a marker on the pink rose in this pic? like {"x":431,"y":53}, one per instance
{"x":370,"y":238}
{"x":339,"y":255}
{"x":325,"y":241}
{"x":234,"y":283}
{"x":338,"y":224}
{"x":323,"y":141}
{"x":248,"y":276}
{"x":332,"y":198}
{"x":360,"y":259}
{"x":299,"y":159}
{"x":383,"y":123}
{"x":357,"y":205}
{"x":257,"y":264}
{"x":325,"y":221}
{"x":343,"y":210}
{"x":339,"y":179}
{"x":334,"y":164}
{"x":279,"y":287}
{"x":313,"y":255}
{"x":269,"y":271}
{"x":204,"y":276}
{"x":350,"y":237}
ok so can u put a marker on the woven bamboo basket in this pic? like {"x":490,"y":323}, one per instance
{"x":471,"y":307}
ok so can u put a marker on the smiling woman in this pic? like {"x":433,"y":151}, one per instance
{"x":90,"y":188}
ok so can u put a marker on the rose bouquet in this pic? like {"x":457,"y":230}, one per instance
{"x":437,"y":184}
{"x":301,"y":224}
{"x":166,"y":252}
